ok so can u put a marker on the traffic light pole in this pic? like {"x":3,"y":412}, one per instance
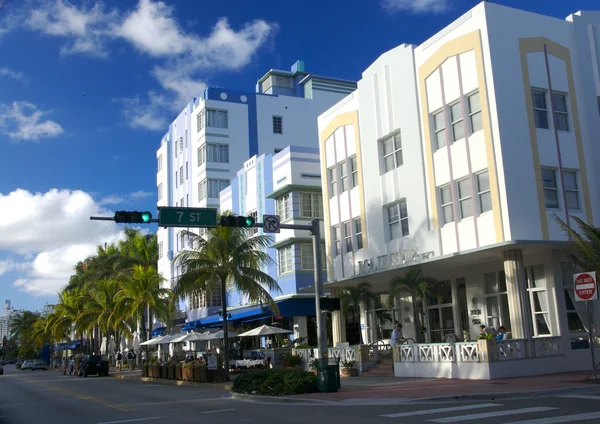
{"x":112,"y":218}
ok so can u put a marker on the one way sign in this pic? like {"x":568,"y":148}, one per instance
{"x":271,"y":224}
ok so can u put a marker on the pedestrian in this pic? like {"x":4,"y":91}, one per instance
{"x":396,"y":335}
{"x":143,"y":356}
{"x":130,"y":360}
{"x":119,"y":361}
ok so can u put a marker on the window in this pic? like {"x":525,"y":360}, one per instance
{"x":175,"y":148}
{"x":392,"y":152}
{"x":186,"y":138}
{"x":332,"y":181}
{"x":285,"y":256}
{"x":160,"y":191}
{"x":159,"y":163}
{"x":456,"y":117}
{"x":464,"y":198}
{"x":496,"y":300}
{"x":483,"y":192}
{"x":216,"y":118}
{"x":577,"y":315}
{"x":475,"y":112}
{"x":307,"y":257}
{"x":359,"y":234}
{"x":561,"y":115}
{"x":550,"y":188}
{"x":343,"y":177}
{"x":311,"y":205}
{"x":540,"y":110}
{"x":181,"y":175}
{"x":216,"y":186}
{"x":186,"y":170}
{"x":538,"y":298}
{"x":253,"y":230}
{"x":571,"y":190}
{"x":215,"y":297}
{"x":181,"y":144}
{"x":353,"y":172}
{"x":200,"y":118}
{"x":160,"y":250}
{"x":398,"y":220}
{"x":283,"y":207}
{"x":202,"y":190}
{"x":218,"y":153}
{"x":182,"y":202}
{"x":201,"y":154}
{"x":439,"y":127}
{"x":336,"y":240}
{"x":446,"y":201}
{"x":348,"y":236}
{"x":176,"y":179}
{"x":277,"y":125}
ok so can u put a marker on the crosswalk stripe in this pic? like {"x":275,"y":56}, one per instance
{"x":491,"y":414}
{"x":440,"y":410}
{"x":590,"y":397}
{"x":562,"y":419}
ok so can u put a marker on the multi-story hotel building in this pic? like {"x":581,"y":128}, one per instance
{"x":216,"y":133}
{"x":456,"y":156}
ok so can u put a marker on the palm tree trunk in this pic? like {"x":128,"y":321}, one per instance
{"x":225,"y":332}
{"x":143,"y":335}
{"x":416,"y":320}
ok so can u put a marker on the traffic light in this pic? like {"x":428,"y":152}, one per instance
{"x":135,"y":217}
{"x":237,"y":221}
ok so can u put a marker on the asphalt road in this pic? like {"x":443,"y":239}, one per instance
{"x":48,"y":397}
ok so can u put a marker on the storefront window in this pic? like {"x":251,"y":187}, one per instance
{"x":496,"y":300}
{"x":538,"y":300}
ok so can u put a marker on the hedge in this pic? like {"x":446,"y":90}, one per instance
{"x":279,"y":382}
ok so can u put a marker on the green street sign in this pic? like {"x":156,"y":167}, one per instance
{"x":187,"y":217}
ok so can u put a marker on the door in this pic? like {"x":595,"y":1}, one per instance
{"x":441,"y":322}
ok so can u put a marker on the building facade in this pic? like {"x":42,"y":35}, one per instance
{"x":457,"y":156}
{"x":287,"y":184}
{"x":8,"y":314}
{"x":215,"y":135}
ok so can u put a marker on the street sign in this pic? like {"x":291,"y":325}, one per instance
{"x":585,"y":286}
{"x":271,"y":224}
{"x":187,"y":217}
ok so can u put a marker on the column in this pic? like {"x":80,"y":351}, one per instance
{"x":338,"y":321}
{"x":397,"y":312}
{"x":300,"y":327}
{"x":458,"y":330}
{"x":364,"y":322}
{"x":518,"y":301}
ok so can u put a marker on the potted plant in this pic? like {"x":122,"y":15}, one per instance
{"x":171,"y":370}
{"x":200,"y":372}
{"x":349,"y":369}
{"x":145,"y":369}
{"x":187,"y":372}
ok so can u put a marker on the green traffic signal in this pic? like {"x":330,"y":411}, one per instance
{"x":249,"y":221}
{"x":132,"y":217}
{"x":237,"y":221}
{"x":146,"y":217}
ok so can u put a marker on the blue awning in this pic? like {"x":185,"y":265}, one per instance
{"x":262,"y":318}
{"x":297,"y":307}
{"x":251,"y":311}
{"x":158,"y":331}
{"x":75,"y":345}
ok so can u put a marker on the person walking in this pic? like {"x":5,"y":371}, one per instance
{"x":119,"y":362}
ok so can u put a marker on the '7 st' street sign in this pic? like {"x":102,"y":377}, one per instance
{"x":187,"y":217}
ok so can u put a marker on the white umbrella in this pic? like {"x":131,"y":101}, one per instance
{"x":195,"y":337}
{"x":153,"y":341}
{"x":103,"y":346}
{"x":112,"y":345}
{"x":136,"y":342}
{"x":219,"y":335}
{"x":123,"y":344}
{"x":265,"y":330}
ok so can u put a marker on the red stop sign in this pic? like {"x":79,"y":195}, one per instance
{"x":585,"y":286}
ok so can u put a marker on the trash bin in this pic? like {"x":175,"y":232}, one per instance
{"x":328,"y":374}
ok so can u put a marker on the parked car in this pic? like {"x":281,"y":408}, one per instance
{"x":27,"y":364}
{"x":1,"y":369}
{"x":39,"y":365}
{"x":93,"y":365}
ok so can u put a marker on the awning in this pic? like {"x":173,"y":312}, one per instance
{"x":236,"y":314}
{"x":297,"y":307}
{"x":75,"y":345}
{"x":159,"y":331}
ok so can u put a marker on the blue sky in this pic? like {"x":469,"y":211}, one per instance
{"x":87,"y":90}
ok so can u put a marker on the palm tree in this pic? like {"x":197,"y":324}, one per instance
{"x":586,"y":243}
{"x":416,"y":285}
{"x":229,"y":258}
{"x":353,"y":296}
{"x":22,"y":329}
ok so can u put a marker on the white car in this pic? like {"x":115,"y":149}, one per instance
{"x":39,"y":365}
{"x":27,"y":364}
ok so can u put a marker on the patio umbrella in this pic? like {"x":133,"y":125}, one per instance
{"x":123,"y":344}
{"x":219,"y":335}
{"x":264,"y":330}
{"x":103,"y":346}
{"x":136,"y":342}
{"x":195,"y":337}
{"x":153,"y":341}
{"x":112,"y":346}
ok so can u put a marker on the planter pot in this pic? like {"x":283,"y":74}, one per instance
{"x":154,"y":371}
{"x":145,"y":370}
{"x":163,"y":372}
{"x":178,"y":372}
{"x":171,"y":373}
{"x":203,"y":374}
{"x":187,"y":374}
{"x":347,"y":373}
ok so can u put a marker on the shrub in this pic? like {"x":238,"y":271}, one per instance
{"x":280,"y":382}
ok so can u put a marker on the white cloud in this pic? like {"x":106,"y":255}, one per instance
{"x":9,"y":73}
{"x":116,"y":199}
{"x":23,"y":121}
{"x":416,"y":6}
{"x":54,"y":231}
{"x":140,"y":194}
{"x":148,"y":114}
{"x":112,"y":200}
{"x":86,"y":30}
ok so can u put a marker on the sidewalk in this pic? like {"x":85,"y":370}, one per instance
{"x":436,"y":389}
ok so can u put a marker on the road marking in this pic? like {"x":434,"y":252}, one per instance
{"x":131,"y":420}
{"x":217,"y":410}
{"x":562,"y":419}
{"x":590,"y":397}
{"x":440,"y":410}
{"x":492,"y":414}
{"x":174,"y":402}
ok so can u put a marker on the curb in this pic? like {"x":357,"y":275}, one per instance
{"x":218,"y":386}
{"x":508,"y":395}
{"x":275,"y":399}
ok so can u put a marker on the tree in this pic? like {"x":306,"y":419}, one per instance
{"x":416,"y":285}
{"x":229,"y":258}
{"x":353,"y":296}
{"x":586,"y":243}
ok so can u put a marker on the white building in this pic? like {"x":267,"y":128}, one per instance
{"x":8,"y":314}
{"x":215,"y":135}
{"x":287,"y":184}
{"x":456,"y":154}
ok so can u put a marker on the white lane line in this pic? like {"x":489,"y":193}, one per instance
{"x":590,"y":397}
{"x":562,"y":419}
{"x":217,"y":410}
{"x":440,"y":410}
{"x":492,"y":414}
{"x":172,"y":402}
{"x":131,"y":420}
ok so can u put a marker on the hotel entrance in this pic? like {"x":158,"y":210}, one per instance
{"x":440,"y":314}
